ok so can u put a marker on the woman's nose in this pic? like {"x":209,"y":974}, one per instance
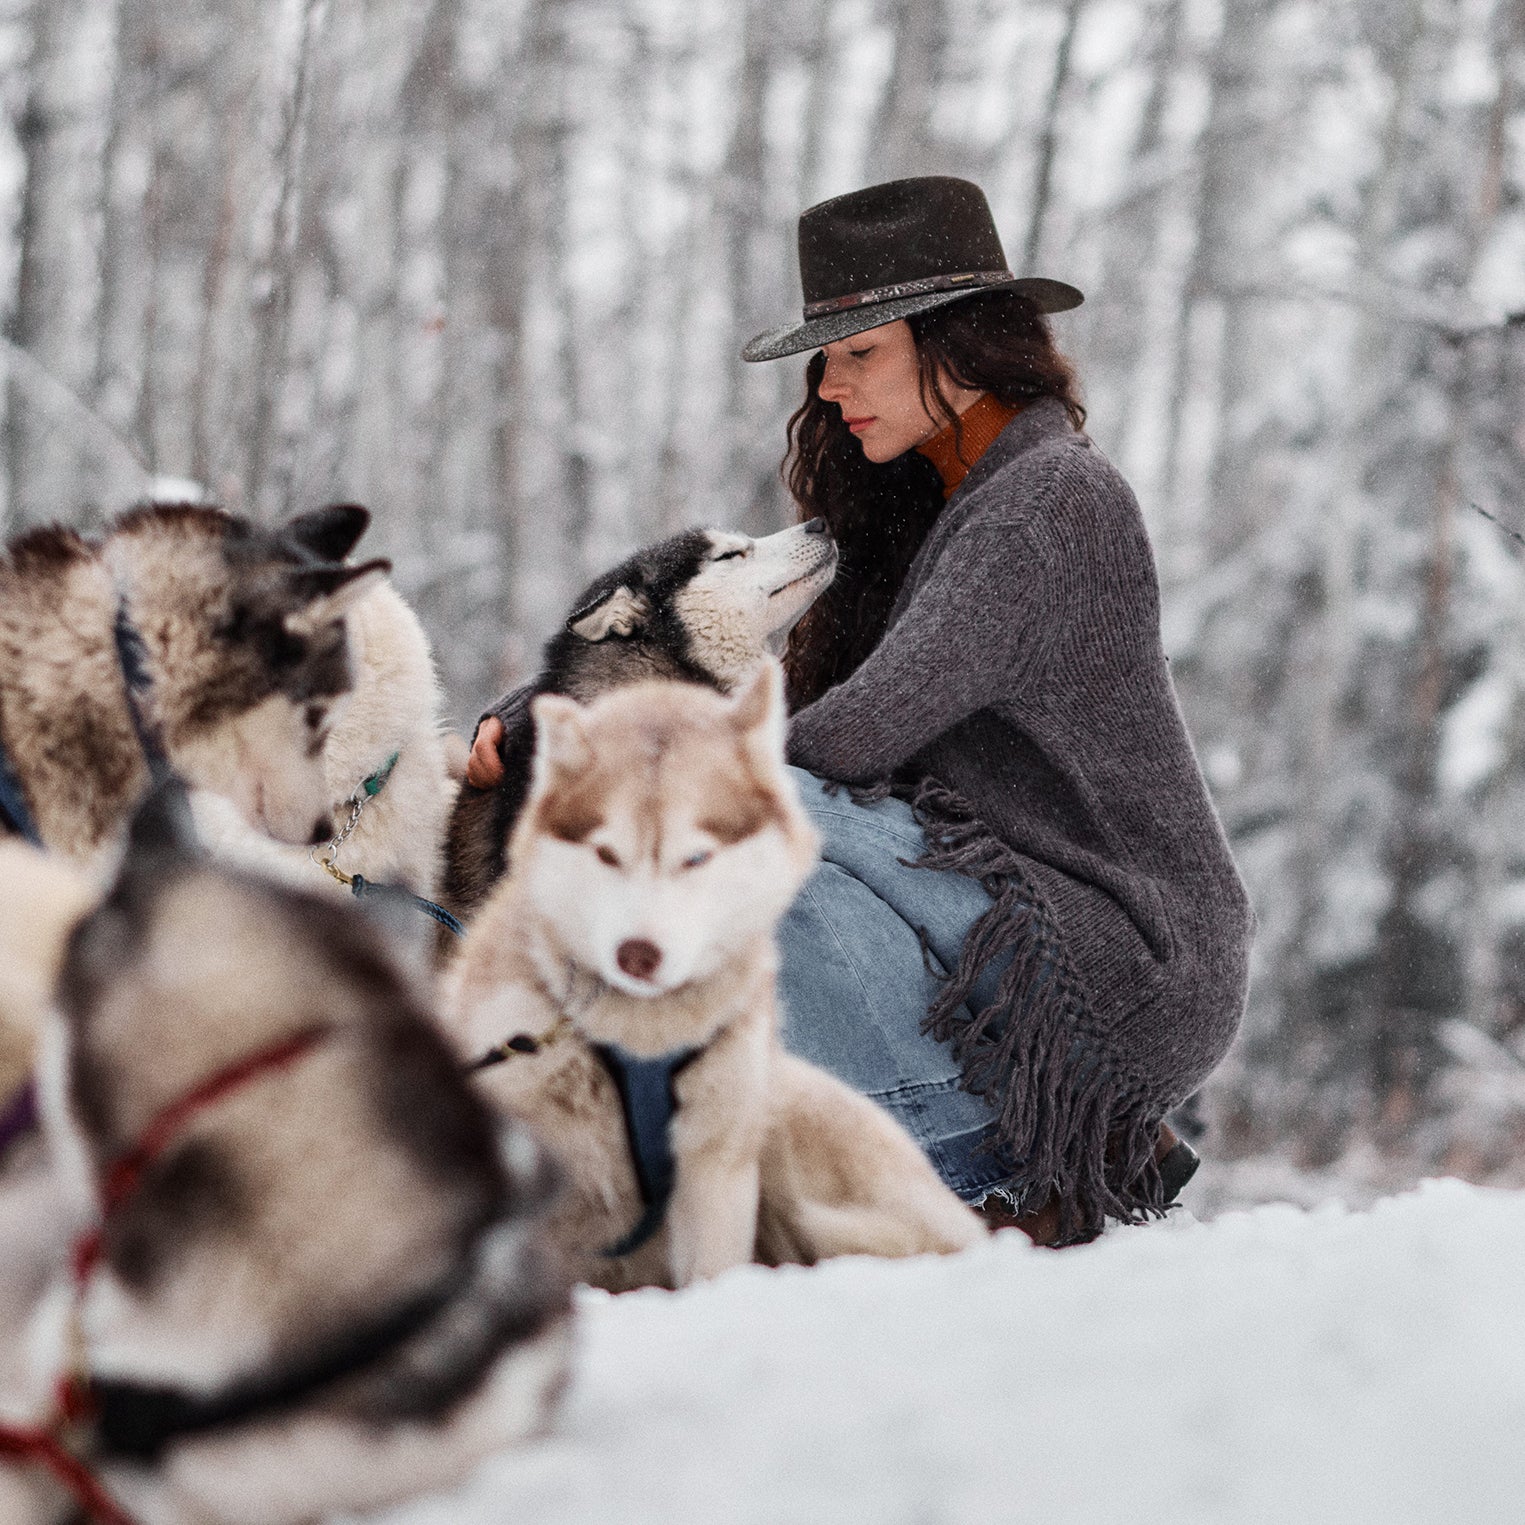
{"x":830,"y":389}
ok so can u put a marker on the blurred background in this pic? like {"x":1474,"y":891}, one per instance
{"x":486,"y":265}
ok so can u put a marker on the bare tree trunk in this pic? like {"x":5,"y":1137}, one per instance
{"x":62,"y":134}
{"x":900,"y":143}
{"x":1048,"y":136}
{"x":277,"y":273}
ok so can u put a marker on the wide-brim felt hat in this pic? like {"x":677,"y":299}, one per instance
{"x":891,"y":250}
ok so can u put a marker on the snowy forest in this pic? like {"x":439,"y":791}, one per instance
{"x":487,"y":266}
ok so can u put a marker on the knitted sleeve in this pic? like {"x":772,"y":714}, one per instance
{"x":979,"y":629}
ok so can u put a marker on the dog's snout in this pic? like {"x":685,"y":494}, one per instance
{"x":638,"y":958}
{"x":322,"y":830}
{"x":816,"y":527}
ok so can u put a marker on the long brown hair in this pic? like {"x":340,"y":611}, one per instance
{"x":996,"y":342}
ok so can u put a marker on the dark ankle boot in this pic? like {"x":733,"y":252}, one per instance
{"x":1176,"y":1161}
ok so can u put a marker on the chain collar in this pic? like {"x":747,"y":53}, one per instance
{"x":569,"y":1008}
{"x":327,"y":856}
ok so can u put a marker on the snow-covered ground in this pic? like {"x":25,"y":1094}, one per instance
{"x":1273,"y":1365}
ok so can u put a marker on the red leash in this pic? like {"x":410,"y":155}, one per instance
{"x":43,"y":1446}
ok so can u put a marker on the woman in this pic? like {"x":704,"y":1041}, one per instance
{"x":1028,"y":939}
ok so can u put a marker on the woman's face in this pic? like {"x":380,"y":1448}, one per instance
{"x":873,"y":378}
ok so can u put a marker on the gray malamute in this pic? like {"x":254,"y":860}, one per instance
{"x":699,"y":607}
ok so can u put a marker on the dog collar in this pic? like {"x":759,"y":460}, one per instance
{"x":327,"y":858}
{"x":371,"y":786}
{"x":520,"y":1043}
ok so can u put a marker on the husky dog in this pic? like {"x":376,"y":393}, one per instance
{"x":185,"y":631}
{"x":322,"y":1281}
{"x":385,"y":753}
{"x":700,"y":607}
{"x":661,"y":841}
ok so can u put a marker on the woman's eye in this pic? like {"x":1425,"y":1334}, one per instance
{"x":698,"y":859}
{"x":858,"y":354}
{"x":607,"y":855}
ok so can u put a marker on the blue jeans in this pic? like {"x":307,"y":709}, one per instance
{"x":855,"y":988}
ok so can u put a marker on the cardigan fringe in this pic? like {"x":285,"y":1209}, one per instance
{"x":1068,"y":1121}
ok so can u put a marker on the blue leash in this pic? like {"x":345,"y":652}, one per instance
{"x":362,"y":889}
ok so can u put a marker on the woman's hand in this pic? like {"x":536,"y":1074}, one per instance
{"x":484,"y":768}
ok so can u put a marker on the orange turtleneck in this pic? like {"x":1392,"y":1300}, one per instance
{"x":979,"y":423}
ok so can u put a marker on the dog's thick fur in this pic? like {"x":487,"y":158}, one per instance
{"x":44,"y":897}
{"x":699,"y":607}
{"x":394,"y":707}
{"x":661,"y":819}
{"x":286,"y":1221}
{"x":245,"y":648}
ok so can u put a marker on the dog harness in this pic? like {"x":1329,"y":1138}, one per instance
{"x":357,"y":884}
{"x":132,"y":658}
{"x":75,"y":1396}
{"x":648,"y":1103}
{"x":137,"y":684}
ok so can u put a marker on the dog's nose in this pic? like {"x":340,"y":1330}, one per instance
{"x":638,"y":958}
{"x":322,"y":830}
{"x":816,"y":527}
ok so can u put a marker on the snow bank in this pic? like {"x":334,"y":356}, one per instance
{"x":1274,"y":1365}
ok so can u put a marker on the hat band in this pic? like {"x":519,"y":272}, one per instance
{"x":927,"y":284}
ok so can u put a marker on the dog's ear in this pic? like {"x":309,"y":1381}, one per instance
{"x":561,"y":741}
{"x":619,"y":613}
{"x":757,"y":711}
{"x":323,"y":594}
{"x":330,"y":533}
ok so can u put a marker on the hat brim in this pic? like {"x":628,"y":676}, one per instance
{"x":1048,"y":296}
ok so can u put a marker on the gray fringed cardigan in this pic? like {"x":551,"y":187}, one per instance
{"x":1020,"y":697}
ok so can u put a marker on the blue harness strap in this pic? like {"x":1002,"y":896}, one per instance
{"x":648,"y":1101}
{"x":15,"y":813}
{"x":137,"y":682}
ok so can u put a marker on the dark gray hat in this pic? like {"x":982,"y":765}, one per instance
{"x":882,"y":253}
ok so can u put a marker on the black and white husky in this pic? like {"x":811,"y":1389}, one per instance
{"x":320,"y":1280}
{"x":703,"y":606}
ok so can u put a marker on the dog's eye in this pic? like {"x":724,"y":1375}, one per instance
{"x":316,"y":714}
{"x":698,"y":859}
{"x":607,"y":854}
{"x":733,"y":555}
